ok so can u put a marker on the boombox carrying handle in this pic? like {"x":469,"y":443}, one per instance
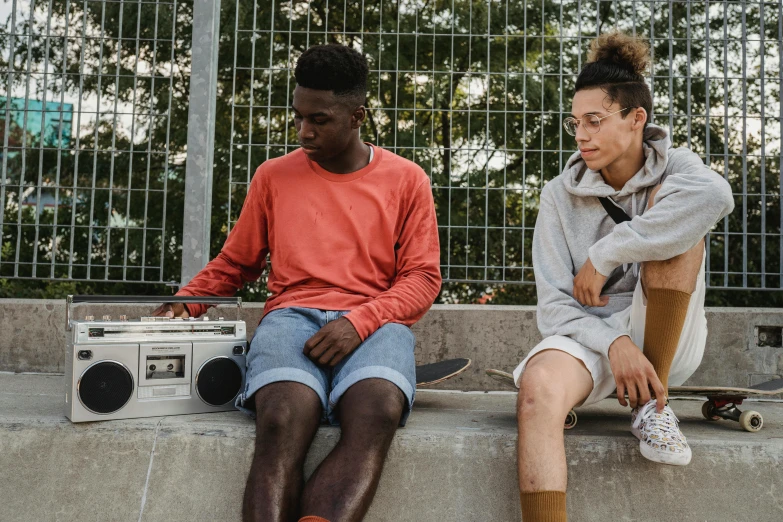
{"x":144,"y":299}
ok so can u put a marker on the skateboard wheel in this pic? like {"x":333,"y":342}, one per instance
{"x":570,"y":420}
{"x":708,"y":410}
{"x":751,"y":421}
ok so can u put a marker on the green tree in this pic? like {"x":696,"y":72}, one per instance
{"x":470,"y":90}
{"x":118,"y":188}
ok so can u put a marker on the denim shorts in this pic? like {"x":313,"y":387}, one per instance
{"x":276,"y":354}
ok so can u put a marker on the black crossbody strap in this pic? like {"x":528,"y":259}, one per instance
{"x":616,"y":213}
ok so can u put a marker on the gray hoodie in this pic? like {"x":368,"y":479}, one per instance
{"x":572,"y":226}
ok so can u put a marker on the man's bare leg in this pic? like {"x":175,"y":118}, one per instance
{"x":677,"y":273}
{"x":287,"y":418}
{"x":553,"y":382}
{"x":343,"y":486}
{"x":668,"y":285}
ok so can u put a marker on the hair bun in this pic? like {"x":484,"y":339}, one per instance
{"x":629,"y":52}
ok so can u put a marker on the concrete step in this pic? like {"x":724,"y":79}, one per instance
{"x":32,"y":339}
{"x":454,"y":461}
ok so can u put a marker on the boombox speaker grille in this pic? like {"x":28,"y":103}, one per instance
{"x":105,"y":387}
{"x":218,"y":381}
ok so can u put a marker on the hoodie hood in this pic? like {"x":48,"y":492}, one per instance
{"x":582,"y":181}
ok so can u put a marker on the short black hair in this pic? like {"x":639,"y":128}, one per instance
{"x":334,"y":67}
{"x":616,"y":64}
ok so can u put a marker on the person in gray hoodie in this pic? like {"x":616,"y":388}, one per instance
{"x":620,"y":300}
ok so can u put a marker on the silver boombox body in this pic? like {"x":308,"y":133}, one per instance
{"x":153,"y":366}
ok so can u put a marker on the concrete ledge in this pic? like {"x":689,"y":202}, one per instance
{"x":32,"y":339}
{"x":454,"y":461}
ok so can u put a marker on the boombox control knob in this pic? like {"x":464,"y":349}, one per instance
{"x":123,"y":318}
{"x":89,"y":318}
{"x":107,"y":318}
{"x":205,"y":318}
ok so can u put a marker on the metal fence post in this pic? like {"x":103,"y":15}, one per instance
{"x":201,"y":138}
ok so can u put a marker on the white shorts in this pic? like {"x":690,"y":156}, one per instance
{"x":631,"y":320}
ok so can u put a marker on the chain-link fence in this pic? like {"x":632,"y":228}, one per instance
{"x":473,"y":91}
{"x":88,"y":94}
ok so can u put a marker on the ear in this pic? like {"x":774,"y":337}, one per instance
{"x":358,"y":117}
{"x":639,"y":118}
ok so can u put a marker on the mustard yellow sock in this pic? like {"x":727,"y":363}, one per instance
{"x":666,"y":311}
{"x":544,"y":506}
{"x":312,"y":518}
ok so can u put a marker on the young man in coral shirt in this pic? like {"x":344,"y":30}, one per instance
{"x":353,"y":239}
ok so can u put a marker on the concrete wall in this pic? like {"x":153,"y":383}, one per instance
{"x":32,"y":339}
{"x":454,"y":460}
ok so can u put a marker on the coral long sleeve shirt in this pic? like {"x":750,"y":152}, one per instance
{"x":365,"y":241}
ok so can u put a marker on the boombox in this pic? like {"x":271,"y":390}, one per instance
{"x":117,"y":368}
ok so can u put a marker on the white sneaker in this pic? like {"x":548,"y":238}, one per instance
{"x":660,"y":438}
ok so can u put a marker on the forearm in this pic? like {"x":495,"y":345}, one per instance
{"x":221,"y":277}
{"x":684,"y":212}
{"x":405,"y":302}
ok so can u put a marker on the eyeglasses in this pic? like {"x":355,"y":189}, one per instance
{"x":591,"y":122}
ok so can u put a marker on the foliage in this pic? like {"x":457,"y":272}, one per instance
{"x":468,"y":89}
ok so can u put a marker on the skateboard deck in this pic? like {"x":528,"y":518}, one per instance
{"x":429,"y":374}
{"x":722,"y":401}
{"x":507,"y":378}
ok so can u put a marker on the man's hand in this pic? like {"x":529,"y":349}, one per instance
{"x":588,"y":284}
{"x":332,"y":343}
{"x":171,"y":310}
{"x":634,"y":374}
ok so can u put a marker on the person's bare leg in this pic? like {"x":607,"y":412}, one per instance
{"x":287,"y":418}
{"x":668,"y":285}
{"x":343,"y":486}
{"x":677,"y":273}
{"x":553,"y":382}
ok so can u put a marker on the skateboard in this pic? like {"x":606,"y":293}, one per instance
{"x":507,"y":378}
{"x":429,"y":374}
{"x":722,"y":401}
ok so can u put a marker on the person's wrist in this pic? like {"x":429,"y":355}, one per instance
{"x":619,"y":344}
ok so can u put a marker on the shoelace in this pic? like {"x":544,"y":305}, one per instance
{"x":666,"y":421}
